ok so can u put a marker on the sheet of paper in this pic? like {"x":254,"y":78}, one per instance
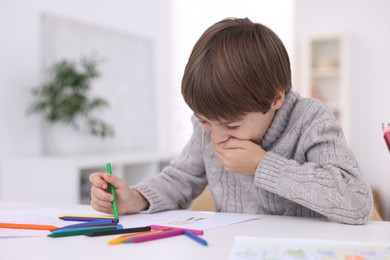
{"x":251,"y":248}
{"x":186,"y":219}
{"x":175,"y":218}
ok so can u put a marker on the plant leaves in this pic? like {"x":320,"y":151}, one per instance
{"x":65,"y":97}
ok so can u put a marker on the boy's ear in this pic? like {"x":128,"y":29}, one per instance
{"x":278,"y":101}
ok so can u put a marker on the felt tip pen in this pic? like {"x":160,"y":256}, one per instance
{"x":93,"y":228}
{"x":119,"y":231}
{"x":386,"y":135}
{"x":121,"y":239}
{"x":78,"y":217}
{"x":103,"y":222}
{"x":194,"y":231}
{"x":195,"y":237}
{"x":85,"y":216}
{"x":160,"y":235}
{"x":73,"y":232}
{"x":27,"y":226}
{"x":112,"y":190}
{"x":87,"y":219}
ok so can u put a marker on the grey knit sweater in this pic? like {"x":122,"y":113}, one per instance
{"x":308,"y":170}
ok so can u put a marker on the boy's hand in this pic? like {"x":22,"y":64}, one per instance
{"x":129,"y":200}
{"x":239,"y":156}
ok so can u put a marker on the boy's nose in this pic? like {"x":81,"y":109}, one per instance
{"x":219,"y":136}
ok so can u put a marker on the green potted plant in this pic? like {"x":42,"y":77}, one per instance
{"x":65,"y":97}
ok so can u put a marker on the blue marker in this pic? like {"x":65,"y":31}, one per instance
{"x":195,"y":237}
{"x":102,"y":222}
{"x":95,"y":228}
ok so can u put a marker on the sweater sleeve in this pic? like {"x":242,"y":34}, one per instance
{"x":328,"y":180}
{"x":180,"y":182}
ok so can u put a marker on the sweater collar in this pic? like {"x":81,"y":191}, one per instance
{"x":280,"y":120}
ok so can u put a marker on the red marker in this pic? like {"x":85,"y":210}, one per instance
{"x":386,"y":134}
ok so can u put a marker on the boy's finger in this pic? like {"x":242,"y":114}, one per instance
{"x":234,"y":143}
{"x":116,"y":182}
{"x":100,"y":194}
{"x":97,"y":180}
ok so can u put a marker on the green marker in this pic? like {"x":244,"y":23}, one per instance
{"x":112,"y":190}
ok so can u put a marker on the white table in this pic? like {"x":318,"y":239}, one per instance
{"x":220,"y":240}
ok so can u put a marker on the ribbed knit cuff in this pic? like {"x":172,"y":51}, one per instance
{"x":268,"y":172}
{"x":155,"y":201}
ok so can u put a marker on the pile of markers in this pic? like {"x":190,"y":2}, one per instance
{"x":94,"y":226}
{"x":102,"y":226}
{"x":89,"y":224}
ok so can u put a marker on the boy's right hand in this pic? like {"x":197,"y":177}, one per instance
{"x":129,"y":200}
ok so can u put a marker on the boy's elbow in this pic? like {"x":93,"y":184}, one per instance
{"x":361,"y":215}
{"x":367,"y":212}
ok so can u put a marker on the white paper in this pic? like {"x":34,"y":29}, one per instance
{"x":176,"y":218}
{"x":186,"y":219}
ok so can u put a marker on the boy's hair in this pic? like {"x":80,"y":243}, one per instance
{"x":235,"y":67}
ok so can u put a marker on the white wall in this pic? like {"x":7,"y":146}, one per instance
{"x":21,"y":63}
{"x":368,"y":24}
{"x":20,"y":52}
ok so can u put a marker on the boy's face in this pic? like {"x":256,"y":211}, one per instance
{"x":252,"y":126}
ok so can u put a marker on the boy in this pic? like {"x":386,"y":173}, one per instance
{"x":259,"y":146}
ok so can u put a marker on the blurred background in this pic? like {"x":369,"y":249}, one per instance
{"x":339,"y":51}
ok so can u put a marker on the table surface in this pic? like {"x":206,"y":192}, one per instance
{"x":220,"y":240}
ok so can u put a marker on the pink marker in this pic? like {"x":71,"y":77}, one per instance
{"x":194,"y":231}
{"x":155,"y":236}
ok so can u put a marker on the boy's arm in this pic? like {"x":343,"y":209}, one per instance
{"x":329,"y":181}
{"x":179,"y":183}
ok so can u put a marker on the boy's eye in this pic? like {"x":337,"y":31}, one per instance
{"x":232,"y":127}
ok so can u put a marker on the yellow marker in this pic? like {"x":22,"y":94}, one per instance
{"x":120,"y":239}
{"x":83,"y":216}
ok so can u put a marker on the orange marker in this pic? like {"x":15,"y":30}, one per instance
{"x":27,"y":226}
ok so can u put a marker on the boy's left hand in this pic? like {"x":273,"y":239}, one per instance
{"x":239,"y":156}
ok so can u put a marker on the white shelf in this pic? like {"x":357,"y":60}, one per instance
{"x":325,"y":74}
{"x":65,"y":179}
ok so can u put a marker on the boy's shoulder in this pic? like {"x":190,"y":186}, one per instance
{"x":312,"y":105}
{"x":308,"y":110}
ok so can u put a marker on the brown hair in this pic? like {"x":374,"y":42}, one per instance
{"x":235,"y":67}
